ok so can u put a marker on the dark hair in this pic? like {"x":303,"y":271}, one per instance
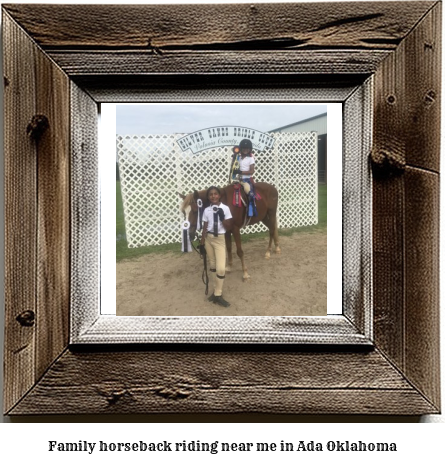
{"x":210,"y":189}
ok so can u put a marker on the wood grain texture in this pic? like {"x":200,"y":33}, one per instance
{"x":218,"y":87}
{"x":85,"y":210}
{"x":216,"y":62}
{"x":388,"y":268}
{"x":20,"y":212}
{"x":388,"y":201}
{"x":354,"y":25}
{"x":422,"y":281}
{"x":279,"y":38}
{"x":423,"y":92}
{"x":407,"y":117}
{"x":335,"y":330}
{"x":222,"y":382}
{"x":53,"y":226}
{"x":406,"y":206}
{"x":421,"y":212}
{"x":37,"y":217}
{"x":357,"y":209}
{"x":389,"y":143}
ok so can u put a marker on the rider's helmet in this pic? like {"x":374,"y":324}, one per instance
{"x":245,"y":144}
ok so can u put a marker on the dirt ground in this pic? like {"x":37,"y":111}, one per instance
{"x":291,"y":283}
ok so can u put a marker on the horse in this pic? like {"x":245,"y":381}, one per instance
{"x":266,"y":205}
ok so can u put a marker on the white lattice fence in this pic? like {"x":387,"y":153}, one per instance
{"x":153,"y":169}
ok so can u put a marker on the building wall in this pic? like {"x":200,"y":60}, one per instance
{"x":317,"y":124}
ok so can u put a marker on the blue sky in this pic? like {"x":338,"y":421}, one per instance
{"x":186,"y":118}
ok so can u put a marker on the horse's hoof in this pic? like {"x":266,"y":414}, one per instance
{"x":277,"y":250}
{"x":246,"y":278}
{"x":267,"y":256}
{"x":228,"y":268}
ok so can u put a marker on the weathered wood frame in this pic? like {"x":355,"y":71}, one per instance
{"x":78,"y":56}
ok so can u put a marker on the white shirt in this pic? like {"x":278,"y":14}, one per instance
{"x":244,"y":165}
{"x":207,"y":217}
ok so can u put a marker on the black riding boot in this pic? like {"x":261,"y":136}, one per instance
{"x":218,"y":299}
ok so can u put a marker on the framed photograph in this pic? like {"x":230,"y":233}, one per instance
{"x":376,"y":353}
{"x":287,"y":260}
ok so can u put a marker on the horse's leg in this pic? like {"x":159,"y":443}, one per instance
{"x":275,"y":232}
{"x":229,"y":263}
{"x":239,"y":252}
{"x":266,"y":221}
{"x":271,"y":222}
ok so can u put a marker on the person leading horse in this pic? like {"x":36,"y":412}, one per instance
{"x":266,"y":213}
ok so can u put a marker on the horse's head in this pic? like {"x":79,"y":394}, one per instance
{"x":189,"y":208}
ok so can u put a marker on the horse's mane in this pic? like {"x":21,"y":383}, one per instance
{"x":187,"y":201}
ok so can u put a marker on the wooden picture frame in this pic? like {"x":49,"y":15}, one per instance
{"x":56,"y":72}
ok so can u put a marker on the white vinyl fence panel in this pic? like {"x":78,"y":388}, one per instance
{"x":153,"y":169}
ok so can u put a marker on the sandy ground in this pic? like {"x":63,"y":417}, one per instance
{"x":292,"y":283}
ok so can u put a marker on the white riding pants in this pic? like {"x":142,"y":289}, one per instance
{"x":216,"y":251}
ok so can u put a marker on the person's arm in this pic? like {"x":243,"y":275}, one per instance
{"x":226,"y":218}
{"x":250,"y":172}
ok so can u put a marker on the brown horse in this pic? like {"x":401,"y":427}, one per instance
{"x":267,"y":213}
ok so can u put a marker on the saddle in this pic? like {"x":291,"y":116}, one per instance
{"x":241,"y":198}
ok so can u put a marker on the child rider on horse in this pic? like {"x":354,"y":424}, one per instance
{"x":247,"y":164}
{"x":246,"y":170}
{"x":217,"y":219}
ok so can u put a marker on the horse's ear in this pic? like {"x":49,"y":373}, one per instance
{"x":181,"y":195}
{"x":195,"y":195}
